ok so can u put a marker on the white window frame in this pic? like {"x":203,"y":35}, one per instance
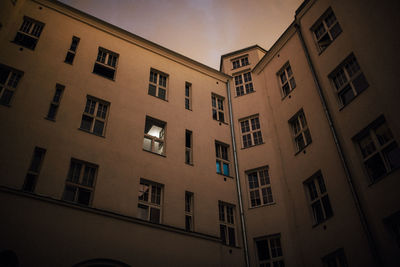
{"x":153,"y":201}
{"x":243,"y":83}
{"x":218,"y":109}
{"x":189,"y":211}
{"x":251,"y":127}
{"x":286,"y":79}
{"x":259,"y":185}
{"x":322,"y":23}
{"x":226,"y":214}
{"x":155,"y":139}
{"x":300,"y":131}
{"x":159,"y":81}
{"x":222,"y":158}
{"x":9,"y":85}
{"x":275,"y":251}
{"x":95,"y":115}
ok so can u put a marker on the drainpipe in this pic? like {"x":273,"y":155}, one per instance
{"x":238,"y":187}
{"x":361,"y":214}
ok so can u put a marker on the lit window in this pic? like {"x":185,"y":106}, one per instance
{"x":69,"y":58}
{"x":222,"y":162}
{"x":259,"y":187}
{"x":55,"y":103}
{"x":80,"y":182}
{"x":243,"y":84}
{"x":217,"y":107}
{"x":300,"y":131}
{"x":106,"y":63}
{"x":158,"y":84}
{"x":34,"y":169}
{"x":286,"y":79}
{"x":154,"y":135}
{"x":227,"y":223}
{"x":318,"y":198}
{"x":335,"y":259}
{"x":188,"y":147}
{"x":379,"y":149}
{"x":251,"y":132}
{"x":188,"y":96}
{"x":348,"y":79}
{"x":94,"y":116}
{"x":9,"y":79}
{"x":29,"y":33}
{"x":326,"y":29}
{"x":149,"y":201}
{"x":269,"y":251}
{"x":189,"y":211}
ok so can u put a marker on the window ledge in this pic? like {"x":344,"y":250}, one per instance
{"x":303,"y":149}
{"x":228,"y":176}
{"x":162,"y":155}
{"x":86,"y":131}
{"x":110,"y":79}
{"x":253,"y":146}
{"x":166,"y":100}
{"x":221,"y":122}
{"x":237,"y":96}
{"x":263,"y":205}
{"x":288,"y":95}
{"x":320,"y":223}
{"x":190,"y":164}
{"x":49,"y":119}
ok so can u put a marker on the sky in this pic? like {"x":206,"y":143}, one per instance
{"x":199,"y":29}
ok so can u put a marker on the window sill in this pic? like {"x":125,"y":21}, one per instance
{"x":50,"y":119}
{"x":110,"y":79}
{"x":189,"y":109}
{"x":166,"y":100}
{"x":303,"y":149}
{"x":236,"y":96}
{"x":162,"y":155}
{"x":221,"y":122}
{"x":190,"y":164}
{"x":228,"y":176}
{"x":253,"y":146}
{"x":70,"y":63}
{"x":21,"y":46}
{"x":321,"y":222}
{"x":263,"y":205}
{"x":86,"y":131}
{"x":288,"y":95}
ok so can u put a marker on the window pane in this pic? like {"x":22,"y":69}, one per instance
{"x":375,"y":167}
{"x":317,"y":212}
{"x":231,"y":235}
{"x":312,"y":190}
{"x":69,"y":58}
{"x":222,"y":232}
{"x":360,"y":83}
{"x":154,"y":215}
{"x":84,"y":196}
{"x":255,"y":198}
{"x":392,"y":155}
{"x":367,"y":145}
{"x":264,"y":176}
{"x":263,"y":250}
{"x":346,"y":95}
{"x":162,"y":93}
{"x":74,"y":172}
{"x":30,"y":182}
{"x":147,"y":144}
{"x":188,"y":223}
{"x":335,"y":30}
{"x":143,"y":212}
{"x":152,"y":90}
{"x":253,"y":181}
{"x":327,"y":206}
{"x":36,"y":160}
{"x":6,"y":97}
{"x":144,"y":192}
{"x":88,"y":176}
{"x":218,"y":163}
{"x":158,"y":147}
{"x":69,"y":193}
{"x":98,"y":127}
{"x":226,"y":169}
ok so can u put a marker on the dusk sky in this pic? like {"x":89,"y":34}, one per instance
{"x":200,"y":29}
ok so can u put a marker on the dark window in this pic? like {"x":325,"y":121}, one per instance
{"x":34,"y":169}
{"x":227,"y":223}
{"x":9,"y":79}
{"x":29,"y":33}
{"x":94,"y":116}
{"x":55,"y":103}
{"x":326,"y":29}
{"x":106,"y":63}
{"x":269,"y":252}
{"x":188,"y":147}
{"x":69,"y":58}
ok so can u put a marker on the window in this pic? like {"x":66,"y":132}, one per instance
{"x":29,"y":33}
{"x":251,"y":132}
{"x":286,"y":79}
{"x":393,"y":225}
{"x":34,"y":169}
{"x":154,"y":134}
{"x":188,"y":147}
{"x":149,"y":201}
{"x":269,"y":251}
{"x":94,"y":116}
{"x":379,"y":149}
{"x":106,"y":63}
{"x":227,"y":223}
{"x":318,"y":198}
{"x":158,"y":84}
{"x":221,"y":152}
{"x":55,"y":103}
{"x":259,"y":187}
{"x":69,"y":58}
{"x":335,"y":259}
{"x":326,"y":29}
{"x":9,"y":79}
{"x":217,"y":107}
{"x":189,"y":211}
{"x":240,"y":62}
{"x":248,"y":84}
{"x":188,"y":96}
{"x":300,"y":131}
{"x":348,"y":80}
{"x":80,"y":182}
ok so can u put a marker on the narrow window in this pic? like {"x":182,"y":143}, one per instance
{"x":94,"y":117}
{"x":154,"y":136}
{"x":336,"y":259}
{"x":34,"y":169}
{"x":150,"y":201}
{"x":300,"y":131}
{"x":326,"y":29}
{"x":55,"y":103}
{"x":251,"y":132}
{"x":227,"y":223}
{"x":217,"y":103}
{"x":222,"y":161}
{"x":259,"y":187}
{"x":188,"y":147}
{"x":189,"y":205}
{"x":69,"y":58}
{"x":9,"y":79}
{"x":318,"y":198}
{"x":286,"y":79}
{"x":269,"y":251}
{"x":188,"y":96}
{"x":29,"y":33}
{"x":80,"y":182}
{"x":106,"y":63}
{"x":158,"y":84}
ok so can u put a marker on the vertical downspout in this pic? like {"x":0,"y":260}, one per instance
{"x":349,"y":179}
{"x":238,"y":187}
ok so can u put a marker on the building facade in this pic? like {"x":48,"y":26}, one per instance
{"x":116,"y":151}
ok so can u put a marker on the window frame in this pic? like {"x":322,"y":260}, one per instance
{"x":30,"y":28}
{"x":217,"y":107}
{"x":109,"y":66}
{"x":251,"y":131}
{"x":243,"y":83}
{"x":189,"y":150}
{"x":239,"y":62}
{"x":222,"y":158}
{"x":10,"y":84}
{"x":303,"y":129}
{"x":327,"y":30}
{"x":278,"y":250}
{"x":149,"y":202}
{"x":227,"y":226}
{"x":78,"y":185}
{"x":289,"y":82}
{"x":188,"y":96}
{"x":264,"y":196}
{"x":189,"y":211}
{"x":156,"y":84}
{"x":161,"y":140}
{"x":94,"y":117}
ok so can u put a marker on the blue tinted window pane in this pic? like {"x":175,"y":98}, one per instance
{"x":226,"y":169}
{"x":218,"y":167}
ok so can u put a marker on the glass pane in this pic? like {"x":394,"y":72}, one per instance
{"x":69,"y":193}
{"x":263,"y":250}
{"x":383,"y":134}
{"x":292,"y":83}
{"x":226,"y":169}
{"x":360,"y":83}
{"x":144,"y":192}
{"x":312,"y":190}
{"x":84,"y":196}
{"x":155,"y":194}
{"x":231,"y":235}
{"x":98,"y":127}
{"x":300,"y":142}
{"x":255,"y":198}
{"x":6,"y":97}
{"x":335,"y":30}
{"x":346,"y":95}
{"x":154,"y":215}
{"x":69,"y":58}
{"x":221,"y":116}
{"x":392,"y":155}
{"x":321,"y":184}
{"x":3,"y":75}
{"x":74,"y":172}
{"x":327,"y":206}
{"x":317,"y":212}
{"x":152,"y":90}
{"x":187,"y":103}
{"x":188,"y":223}
{"x":158,"y":147}
{"x":147,"y":144}
{"x":367,"y":145}
{"x":253,"y":181}
{"x":162,"y":93}
{"x":218,"y":164}
{"x":245,"y":126}
{"x":221,"y":211}
{"x":36,"y":160}
{"x":214,"y":114}
{"x":88,"y":176}
{"x":307,"y":136}
{"x":264,"y":176}
{"x":375,"y":167}
{"x":30,"y":182}
{"x":222,"y":232}
{"x":257,"y":138}
{"x":143,"y":212}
